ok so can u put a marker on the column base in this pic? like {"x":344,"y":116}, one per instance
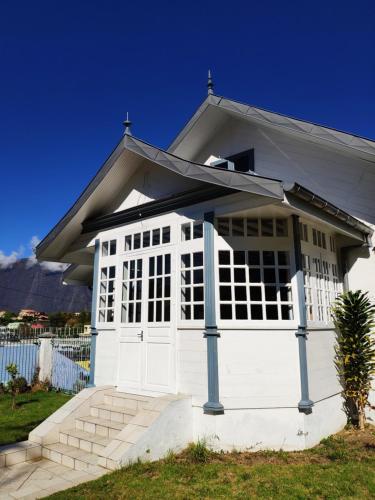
{"x":305,"y":406}
{"x":211,"y":408}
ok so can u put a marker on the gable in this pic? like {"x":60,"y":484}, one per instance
{"x":151,"y":182}
{"x":335,"y":174}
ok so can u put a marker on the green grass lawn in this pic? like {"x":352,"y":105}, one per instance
{"x":341,"y":467}
{"x":32,"y":408}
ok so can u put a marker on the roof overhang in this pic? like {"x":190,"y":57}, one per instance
{"x":95,"y":209}
{"x":99,"y":198}
{"x":78,"y":275}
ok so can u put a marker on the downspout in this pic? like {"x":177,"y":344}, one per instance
{"x":94,"y":301}
{"x":305,"y":404}
{"x":213,"y":405}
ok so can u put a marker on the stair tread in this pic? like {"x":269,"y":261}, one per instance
{"x":76,"y":453}
{"x":102,"y":421}
{"x":126,"y":395}
{"x":87,"y":436}
{"x":118,"y":409}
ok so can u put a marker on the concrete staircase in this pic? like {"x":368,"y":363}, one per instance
{"x":109,"y":428}
{"x":107,"y":433}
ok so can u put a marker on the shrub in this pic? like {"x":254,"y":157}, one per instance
{"x":353,"y":315}
{"x":198,"y":452}
{"x":20,"y":385}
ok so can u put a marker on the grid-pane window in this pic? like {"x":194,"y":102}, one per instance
{"x":131,"y":293}
{"x":322,"y":289}
{"x":107,"y":294}
{"x":252,"y":227}
{"x":159,"y":289}
{"x":322,"y":284}
{"x":192,"y":286}
{"x":147,"y":239}
{"x":319,"y":238}
{"x":306,"y":259}
{"x":191,"y":230}
{"x":108,"y":248}
{"x":255,"y":285}
{"x":303,"y":232}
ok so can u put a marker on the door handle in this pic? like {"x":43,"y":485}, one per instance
{"x":140,"y":335}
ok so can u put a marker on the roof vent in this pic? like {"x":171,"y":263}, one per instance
{"x":223,"y":163}
{"x":244,"y":161}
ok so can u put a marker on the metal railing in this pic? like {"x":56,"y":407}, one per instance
{"x":69,"y":356}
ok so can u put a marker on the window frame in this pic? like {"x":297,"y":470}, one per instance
{"x":256,"y":243}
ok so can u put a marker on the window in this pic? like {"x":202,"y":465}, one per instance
{"x":107,"y":294}
{"x":131,"y":296}
{"x":159,"y":289}
{"x":319,"y":239}
{"x":322,"y":289}
{"x":332,"y":244}
{"x":322,"y":284}
{"x":303,"y":232}
{"x":148,"y":238}
{"x":252,"y":227}
{"x":192,"y":287}
{"x":108,"y":248}
{"x":191,"y":230}
{"x":306,"y":260}
{"x":255,"y":285}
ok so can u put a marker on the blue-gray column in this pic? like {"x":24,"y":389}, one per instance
{"x":213,"y":405}
{"x":305,"y":405}
{"x":94,"y":302}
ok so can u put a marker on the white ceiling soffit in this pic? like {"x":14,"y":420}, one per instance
{"x":292,"y":124}
{"x":212,"y":175}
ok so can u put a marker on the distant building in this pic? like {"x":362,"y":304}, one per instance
{"x":15,"y":325}
{"x":32,"y":313}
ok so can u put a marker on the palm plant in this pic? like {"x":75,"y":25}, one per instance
{"x":353,"y":315}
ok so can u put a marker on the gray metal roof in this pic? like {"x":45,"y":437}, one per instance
{"x":255,"y":114}
{"x":129,"y":151}
{"x":134,"y":147}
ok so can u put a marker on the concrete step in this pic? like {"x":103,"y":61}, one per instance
{"x":73,"y":458}
{"x":125,"y":400}
{"x":92,"y":443}
{"x":99,"y":426}
{"x":113,"y":413}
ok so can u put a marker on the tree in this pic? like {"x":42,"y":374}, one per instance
{"x":7,"y":317}
{"x":13,"y":372}
{"x":353,"y":315}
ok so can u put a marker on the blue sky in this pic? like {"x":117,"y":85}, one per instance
{"x":70,"y":70}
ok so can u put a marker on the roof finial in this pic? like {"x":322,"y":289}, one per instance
{"x":127,"y":124}
{"x":210,"y":83}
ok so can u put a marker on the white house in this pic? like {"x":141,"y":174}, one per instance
{"x":214,"y":265}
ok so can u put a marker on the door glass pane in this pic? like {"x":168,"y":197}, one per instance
{"x":131,"y":306}
{"x":159,"y":307}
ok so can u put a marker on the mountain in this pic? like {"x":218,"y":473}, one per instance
{"x":34,"y":286}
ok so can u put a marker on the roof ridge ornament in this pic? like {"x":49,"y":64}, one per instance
{"x":210,"y":84}
{"x":127,"y":124}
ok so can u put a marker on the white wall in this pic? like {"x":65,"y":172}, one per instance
{"x":323,"y":380}
{"x":251,"y":430}
{"x":258,"y":369}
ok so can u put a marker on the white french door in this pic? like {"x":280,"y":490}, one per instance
{"x":147,"y":332}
